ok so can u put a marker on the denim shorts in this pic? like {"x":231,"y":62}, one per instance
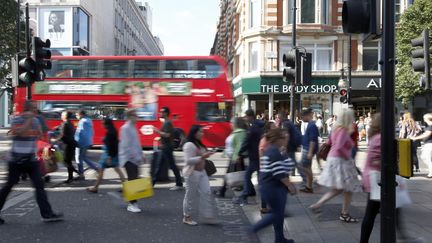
{"x":304,"y":162}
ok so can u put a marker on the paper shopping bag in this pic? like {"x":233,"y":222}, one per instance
{"x":137,"y":189}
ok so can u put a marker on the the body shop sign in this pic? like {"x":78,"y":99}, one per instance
{"x":286,"y":88}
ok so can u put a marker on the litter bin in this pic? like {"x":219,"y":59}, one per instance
{"x":405,"y":157}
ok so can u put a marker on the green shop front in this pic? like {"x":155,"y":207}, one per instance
{"x":269,"y":95}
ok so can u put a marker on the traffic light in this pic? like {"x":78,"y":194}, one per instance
{"x":343,"y":92}
{"x":421,"y":58}
{"x":292,"y":64}
{"x":41,"y":56}
{"x":361,"y":17}
{"x":26,"y":68}
{"x":306,"y":70}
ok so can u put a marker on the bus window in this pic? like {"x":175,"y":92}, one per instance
{"x":116,"y":68}
{"x":146,"y":69}
{"x":66,"y":69}
{"x":212,"y":112}
{"x":95,"y":110}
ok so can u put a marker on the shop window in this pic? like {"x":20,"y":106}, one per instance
{"x":255,"y":13}
{"x":371,"y":54}
{"x":309,"y":11}
{"x":322,"y":56}
{"x":253,"y":56}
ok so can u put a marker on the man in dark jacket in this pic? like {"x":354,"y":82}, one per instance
{"x":67,"y":132}
{"x":250,"y":147}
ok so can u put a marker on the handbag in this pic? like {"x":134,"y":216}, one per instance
{"x":209,"y":167}
{"x":235,"y":179}
{"x":402,"y":196}
{"x":137,"y":189}
{"x":324,"y":150}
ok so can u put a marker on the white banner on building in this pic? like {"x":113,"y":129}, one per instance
{"x":56,"y":24}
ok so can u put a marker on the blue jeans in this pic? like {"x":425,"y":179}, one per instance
{"x":81,"y":157}
{"x":276,"y":197}
{"x":248,"y":187}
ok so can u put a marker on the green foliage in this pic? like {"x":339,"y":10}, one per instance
{"x":413,"y":21}
{"x":8,"y":12}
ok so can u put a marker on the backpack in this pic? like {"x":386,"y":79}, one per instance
{"x":295,"y":135}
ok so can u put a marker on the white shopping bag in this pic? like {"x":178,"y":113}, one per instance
{"x":402,"y":196}
{"x":234,"y":179}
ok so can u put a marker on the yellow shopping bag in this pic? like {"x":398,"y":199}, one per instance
{"x":137,"y":189}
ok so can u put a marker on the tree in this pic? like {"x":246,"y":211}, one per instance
{"x":8,"y":13}
{"x":413,"y":21}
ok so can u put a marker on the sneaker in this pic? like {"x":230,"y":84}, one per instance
{"x":2,"y":221}
{"x":177,"y":188}
{"x":133,"y":207}
{"x":54,"y":217}
{"x":240,"y":201}
{"x":189,"y":221}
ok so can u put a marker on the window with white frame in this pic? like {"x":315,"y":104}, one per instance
{"x":309,"y":11}
{"x":371,"y":55}
{"x":253,"y":56}
{"x":255,"y":13}
{"x":322,"y":56}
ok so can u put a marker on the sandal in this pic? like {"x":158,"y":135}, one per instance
{"x":315,"y":209}
{"x":345,"y":217}
{"x":92,"y":190}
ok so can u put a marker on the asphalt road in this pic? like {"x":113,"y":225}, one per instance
{"x":102,"y":218}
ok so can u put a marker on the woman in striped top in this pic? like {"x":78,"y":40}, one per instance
{"x":274,"y":182}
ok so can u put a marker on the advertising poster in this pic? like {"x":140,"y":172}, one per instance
{"x":143,"y":96}
{"x":56,"y":24}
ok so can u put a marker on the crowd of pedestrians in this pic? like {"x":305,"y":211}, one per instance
{"x":262,"y":146}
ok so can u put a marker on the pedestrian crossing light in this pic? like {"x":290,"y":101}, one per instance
{"x":343,"y":92}
{"x":41,"y":56}
{"x":361,"y":17}
{"x":291,"y":62}
{"x":421,"y":58}
{"x":26,"y":67}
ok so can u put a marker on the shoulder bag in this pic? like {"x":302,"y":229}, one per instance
{"x":210,"y":167}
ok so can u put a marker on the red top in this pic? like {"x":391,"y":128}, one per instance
{"x":355,"y":135}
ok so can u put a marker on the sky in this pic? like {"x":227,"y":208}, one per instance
{"x":185,"y":27}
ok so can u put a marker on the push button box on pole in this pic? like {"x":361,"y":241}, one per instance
{"x":405,"y":157}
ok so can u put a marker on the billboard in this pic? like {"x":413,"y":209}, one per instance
{"x":56,"y":24}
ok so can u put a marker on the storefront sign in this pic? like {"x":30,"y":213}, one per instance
{"x":366,"y":83}
{"x":285,"y":88}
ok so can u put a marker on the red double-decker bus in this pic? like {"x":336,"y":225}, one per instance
{"x":194,"y":88}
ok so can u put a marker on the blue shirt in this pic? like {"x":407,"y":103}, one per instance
{"x":311,"y":135}
{"x":84,"y":132}
{"x":274,"y":166}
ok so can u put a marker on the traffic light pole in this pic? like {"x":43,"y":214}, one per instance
{"x":388,"y":143}
{"x":27,"y":25}
{"x":349,"y":70}
{"x":294,"y":44}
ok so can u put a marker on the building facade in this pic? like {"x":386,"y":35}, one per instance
{"x":253,"y":35}
{"x":85,"y":27}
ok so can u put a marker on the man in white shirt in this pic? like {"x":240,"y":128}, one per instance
{"x":130,"y":152}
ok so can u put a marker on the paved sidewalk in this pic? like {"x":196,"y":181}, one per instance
{"x":304,"y":227}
